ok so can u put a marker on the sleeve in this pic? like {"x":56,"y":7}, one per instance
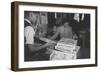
{"x":29,"y":35}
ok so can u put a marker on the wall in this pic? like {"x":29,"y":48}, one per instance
{"x":5,"y":36}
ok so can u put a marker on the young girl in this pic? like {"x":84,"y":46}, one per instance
{"x":64,"y":31}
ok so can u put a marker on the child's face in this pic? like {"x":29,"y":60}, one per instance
{"x":66,"y":24}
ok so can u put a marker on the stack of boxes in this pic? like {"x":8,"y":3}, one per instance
{"x":65,"y":49}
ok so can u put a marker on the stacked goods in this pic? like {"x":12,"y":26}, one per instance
{"x":66,"y":45}
{"x":65,"y":49}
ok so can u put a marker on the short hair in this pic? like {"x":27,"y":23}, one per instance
{"x":67,"y":21}
{"x":58,"y":22}
{"x":62,"y":22}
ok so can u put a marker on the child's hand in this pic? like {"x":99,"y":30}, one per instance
{"x":50,"y":43}
{"x":75,"y":36}
{"x":49,"y":51}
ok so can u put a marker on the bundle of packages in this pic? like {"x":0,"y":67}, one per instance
{"x":66,"y":45}
{"x":65,"y":49}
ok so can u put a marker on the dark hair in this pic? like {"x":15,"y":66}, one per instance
{"x":69,"y":21}
{"x":58,"y":22}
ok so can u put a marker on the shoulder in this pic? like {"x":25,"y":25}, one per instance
{"x":60,"y":27}
{"x":29,"y":29}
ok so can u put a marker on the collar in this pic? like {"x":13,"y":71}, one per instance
{"x":28,"y":21}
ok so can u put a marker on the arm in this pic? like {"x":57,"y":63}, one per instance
{"x":29,"y":35}
{"x":37,"y":47}
{"x":54,"y":36}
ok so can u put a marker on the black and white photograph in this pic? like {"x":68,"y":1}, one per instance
{"x":56,"y":36}
{"x":53,"y":36}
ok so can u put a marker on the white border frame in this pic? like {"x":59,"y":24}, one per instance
{"x":34,"y":64}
